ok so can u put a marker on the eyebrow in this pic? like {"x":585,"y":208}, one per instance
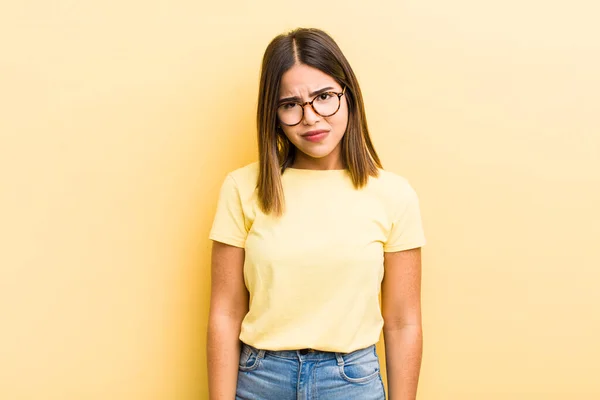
{"x":313,"y":94}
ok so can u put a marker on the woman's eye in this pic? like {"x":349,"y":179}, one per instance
{"x":324,"y":96}
{"x":287,"y":106}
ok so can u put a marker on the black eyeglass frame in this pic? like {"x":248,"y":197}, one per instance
{"x":302,"y":105}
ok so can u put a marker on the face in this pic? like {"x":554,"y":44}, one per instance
{"x":317,"y":138}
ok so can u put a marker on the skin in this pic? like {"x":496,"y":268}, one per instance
{"x":300,"y":81}
{"x":228,"y":306}
{"x":401,"y":286}
{"x":402,"y":330}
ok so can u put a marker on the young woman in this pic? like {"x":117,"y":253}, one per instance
{"x":305,"y":239}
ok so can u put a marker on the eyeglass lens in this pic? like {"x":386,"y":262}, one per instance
{"x":325,"y":104}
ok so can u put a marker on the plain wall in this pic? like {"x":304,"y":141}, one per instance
{"x":119,"y":121}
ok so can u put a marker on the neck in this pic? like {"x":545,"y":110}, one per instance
{"x":317,"y":164}
{"x":330,"y":162}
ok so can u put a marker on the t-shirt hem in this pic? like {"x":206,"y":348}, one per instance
{"x":330,"y":349}
{"x":402,"y":247}
{"x":228,"y":240}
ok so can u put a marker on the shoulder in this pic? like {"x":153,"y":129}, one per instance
{"x":394,"y":191}
{"x":245,"y":178}
{"x":246,"y":172}
{"x":240,"y":184}
{"x":391,"y":183}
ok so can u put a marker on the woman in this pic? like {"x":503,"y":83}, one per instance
{"x":301,"y":240}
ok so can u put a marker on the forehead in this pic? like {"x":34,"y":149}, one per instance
{"x":302,"y":79}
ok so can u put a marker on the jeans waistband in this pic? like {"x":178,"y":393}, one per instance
{"x":309,"y":354}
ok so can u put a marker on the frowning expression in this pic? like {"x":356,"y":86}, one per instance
{"x":317,"y":137}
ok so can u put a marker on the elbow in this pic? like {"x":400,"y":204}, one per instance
{"x":397,"y":323}
{"x":226,"y":317}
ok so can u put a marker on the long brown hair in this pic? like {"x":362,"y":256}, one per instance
{"x":317,"y":49}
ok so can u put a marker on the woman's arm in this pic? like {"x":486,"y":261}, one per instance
{"x":228,"y":306}
{"x":401,"y":309}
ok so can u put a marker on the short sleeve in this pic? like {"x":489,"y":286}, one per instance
{"x":407,"y":228}
{"x":229,"y":223}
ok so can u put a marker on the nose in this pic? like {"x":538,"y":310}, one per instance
{"x":310,"y":116}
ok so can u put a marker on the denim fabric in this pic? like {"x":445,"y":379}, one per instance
{"x":296,"y":375}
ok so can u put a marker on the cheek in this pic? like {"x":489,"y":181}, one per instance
{"x":289,"y":132}
{"x":339,"y":121}
{"x":292,"y":134}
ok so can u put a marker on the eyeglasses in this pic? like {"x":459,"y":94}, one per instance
{"x":325,"y":104}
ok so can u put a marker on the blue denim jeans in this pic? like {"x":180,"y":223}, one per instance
{"x":301,"y":375}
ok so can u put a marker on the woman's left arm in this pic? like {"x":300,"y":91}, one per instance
{"x":402,"y":330}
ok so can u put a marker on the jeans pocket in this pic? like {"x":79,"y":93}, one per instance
{"x":249,"y":358}
{"x":361,"y":366}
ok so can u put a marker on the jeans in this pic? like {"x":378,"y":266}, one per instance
{"x":302,"y":375}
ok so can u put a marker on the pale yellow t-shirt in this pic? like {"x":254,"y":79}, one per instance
{"x":314,"y":274}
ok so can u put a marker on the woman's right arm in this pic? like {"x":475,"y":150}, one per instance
{"x":228,"y":306}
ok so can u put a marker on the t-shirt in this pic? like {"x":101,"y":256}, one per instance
{"x":314,"y":274}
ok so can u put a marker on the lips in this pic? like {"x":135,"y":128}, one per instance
{"x":313,"y":133}
{"x":315,"y":136}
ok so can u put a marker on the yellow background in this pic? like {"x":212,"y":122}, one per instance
{"x":119,"y":120}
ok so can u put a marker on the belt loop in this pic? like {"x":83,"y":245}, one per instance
{"x":261,"y":354}
{"x":340,"y":359}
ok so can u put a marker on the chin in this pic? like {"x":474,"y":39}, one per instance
{"x":316,"y":154}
